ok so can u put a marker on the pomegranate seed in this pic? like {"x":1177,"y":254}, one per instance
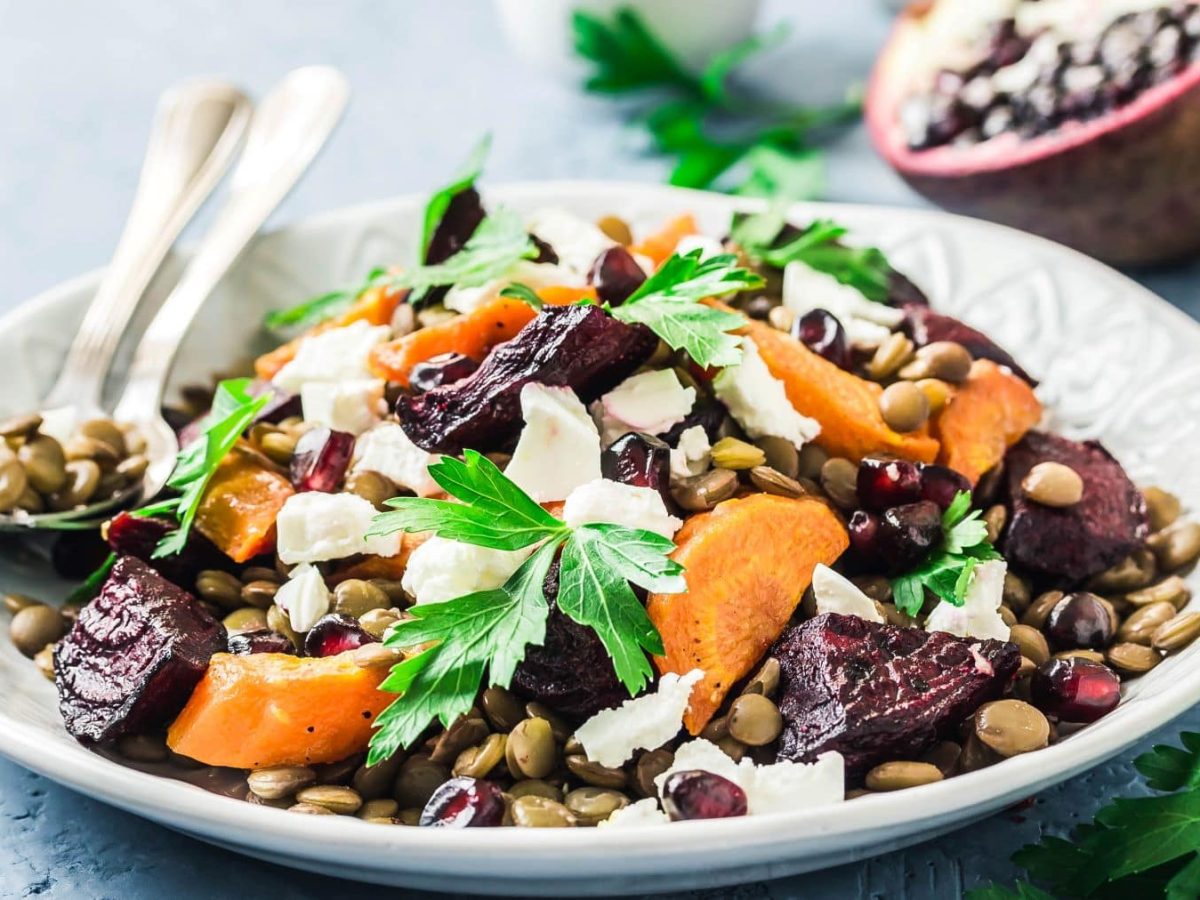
{"x":1075,"y":690}
{"x":695,"y":794}
{"x":320,"y":459}
{"x":615,"y":275}
{"x":1079,"y":621}
{"x":820,"y":331}
{"x":907,"y":533}
{"x":864,"y":531}
{"x":445,"y":368}
{"x":464,"y":802}
{"x":639,"y":459}
{"x":335,"y":633}
{"x":883,"y":483}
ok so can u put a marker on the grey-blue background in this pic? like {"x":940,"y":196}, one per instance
{"x":78,"y":82}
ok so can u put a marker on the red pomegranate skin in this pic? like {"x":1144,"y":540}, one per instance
{"x":1124,"y":187}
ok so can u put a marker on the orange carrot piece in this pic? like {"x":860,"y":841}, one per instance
{"x":660,"y":245}
{"x":273,"y":709}
{"x":747,"y":564}
{"x":473,"y":335}
{"x":988,"y":413}
{"x":240,"y":504}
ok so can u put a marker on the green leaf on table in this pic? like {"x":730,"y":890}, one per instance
{"x":627,"y":55}
{"x":714,"y":78}
{"x":1168,"y":768}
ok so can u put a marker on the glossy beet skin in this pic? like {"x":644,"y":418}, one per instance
{"x":320,"y":460}
{"x":641,"y":460}
{"x":458,"y":223}
{"x":820,"y":331}
{"x":707,"y":412}
{"x":445,"y":368}
{"x":1075,"y":690}
{"x":264,"y":640}
{"x":696,"y":794}
{"x":1070,"y":544}
{"x":464,"y":802}
{"x":925,"y":326}
{"x":615,"y":275}
{"x":335,"y":633}
{"x":876,"y":692}
{"x":134,"y":655}
{"x":580,"y":347}
{"x":1080,"y":621}
{"x":282,"y":405}
{"x":138,"y":536}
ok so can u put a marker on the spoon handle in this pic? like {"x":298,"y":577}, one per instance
{"x":197,"y":129}
{"x":288,"y":129}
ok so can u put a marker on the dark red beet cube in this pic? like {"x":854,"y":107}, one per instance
{"x":696,"y":794}
{"x":875,"y":692}
{"x":907,"y":533}
{"x":641,"y":460}
{"x":445,"y":368}
{"x":335,"y":633}
{"x":320,"y":460}
{"x":615,"y":275}
{"x":134,"y":655}
{"x":1070,"y":544}
{"x":925,"y":326}
{"x":138,"y":536}
{"x":282,"y":405}
{"x":580,"y":347}
{"x":464,"y":802}
{"x":263,"y":640}
{"x":941,"y":485}
{"x":456,"y":226}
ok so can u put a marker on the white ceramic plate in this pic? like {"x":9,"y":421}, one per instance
{"x":1116,"y":363}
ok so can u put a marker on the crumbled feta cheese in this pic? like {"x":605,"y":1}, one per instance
{"x":525,"y":271}
{"x":387,"y":450}
{"x":835,"y":593}
{"x":708,"y":246}
{"x":441,"y":569}
{"x":352,"y":406}
{"x":979,"y":616}
{"x":576,"y":241}
{"x":315,"y":526}
{"x":616,"y":503}
{"x":651,"y":402}
{"x":303,"y":597}
{"x":612,"y":735}
{"x":693,"y":453}
{"x":779,"y":787}
{"x":559,"y":447}
{"x":867,"y":323}
{"x":759,"y":403}
{"x":644,"y":812}
{"x":339,"y":354}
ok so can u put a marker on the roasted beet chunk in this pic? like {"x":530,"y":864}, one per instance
{"x":641,"y":460}
{"x":279,"y":407}
{"x":925,"y":326}
{"x":130,"y":535}
{"x":263,"y":640}
{"x":877,"y":692}
{"x":1070,"y":544}
{"x":458,"y":223}
{"x":135,"y":653}
{"x":571,"y":672}
{"x":579,"y":347}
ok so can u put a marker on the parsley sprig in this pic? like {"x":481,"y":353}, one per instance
{"x":232,"y":412}
{"x":948,"y":570}
{"x":700,"y":119}
{"x":667,"y":304}
{"x":1141,"y":847}
{"x":490,"y":630}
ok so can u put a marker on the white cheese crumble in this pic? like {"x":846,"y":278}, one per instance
{"x":387,"y":450}
{"x":339,"y":354}
{"x":693,"y":453}
{"x":559,"y":447}
{"x":315,"y":526}
{"x":526,"y":272}
{"x":979,"y":616}
{"x":708,"y":246}
{"x":867,"y":323}
{"x":611,"y":736}
{"x":651,"y":402}
{"x":303,"y":597}
{"x":352,"y":406}
{"x":759,"y":403}
{"x":835,"y":593}
{"x":779,"y":787}
{"x":644,"y":812}
{"x":441,"y":569}
{"x":576,"y":241}
{"x":620,"y":504}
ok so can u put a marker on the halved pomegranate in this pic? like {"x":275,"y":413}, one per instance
{"x":1075,"y":119}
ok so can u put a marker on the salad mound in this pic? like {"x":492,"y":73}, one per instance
{"x":570,"y":524}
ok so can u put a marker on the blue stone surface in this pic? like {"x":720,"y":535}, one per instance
{"x":78,"y":83}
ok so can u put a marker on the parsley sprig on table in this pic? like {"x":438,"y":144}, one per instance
{"x":232,"y":412}
{"x":1142,"y":847}
{"x":490,"y":630}
{"x":667,"y":304}
{"x":948,"y":570}
{"x":700,"y":119}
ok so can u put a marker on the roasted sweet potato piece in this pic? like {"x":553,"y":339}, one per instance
{"x":661,"y":244}
{"x":565,"y":295}
{"x":376,"y":306}
{"x":240,"y":505}
{"x":748,"y":562}
{"x":274,"y":709}
{"x":473,"y":335}
{"x":989,"y":413}
{"x":846,"y":406}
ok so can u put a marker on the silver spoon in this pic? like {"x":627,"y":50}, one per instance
{"x":197,"y":130}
